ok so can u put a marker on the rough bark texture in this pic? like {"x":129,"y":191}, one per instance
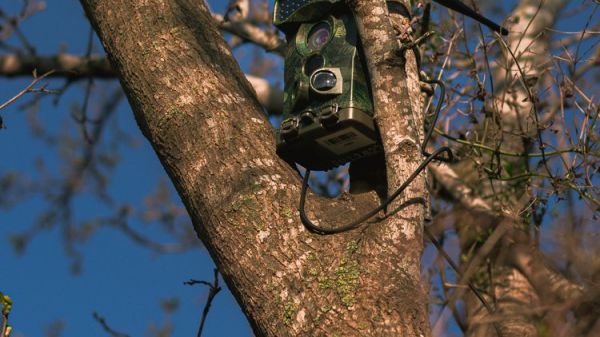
{"x":202,"y":118}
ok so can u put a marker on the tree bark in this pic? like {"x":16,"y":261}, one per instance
{"x":201,"y":116}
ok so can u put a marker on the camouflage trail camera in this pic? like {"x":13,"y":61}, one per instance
{"x":328,"y":105}
{"x":328,"y":109}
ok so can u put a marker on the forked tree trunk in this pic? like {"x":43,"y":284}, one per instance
{"x":202,"y":118}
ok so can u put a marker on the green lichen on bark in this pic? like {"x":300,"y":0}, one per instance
{"x":344,"y":279}
{"x":248,"y":205}
{"x":346,"y":282}
{"x":289,"y":311}
{"x":288,"y":213}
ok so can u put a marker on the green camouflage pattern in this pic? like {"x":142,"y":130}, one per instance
{"x":330,"y":124}
{"x":322,"y":129}
{"x":341,"y":52}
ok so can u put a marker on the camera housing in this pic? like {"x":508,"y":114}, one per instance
{"x":328,"y":105}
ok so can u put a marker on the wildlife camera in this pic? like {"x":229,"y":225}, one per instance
{"x":328,"y":107}
{"x":328,"y":104}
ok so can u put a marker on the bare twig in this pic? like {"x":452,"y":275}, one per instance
{"x":29,"y":88}
{"x":107,"y":327}
{"x":121,"y":224}
{"x":214,"y":289}
{"x":464,"y":280}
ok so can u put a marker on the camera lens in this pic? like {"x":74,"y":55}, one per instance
{"x":318,"y":36}
{"x":323,"y":80}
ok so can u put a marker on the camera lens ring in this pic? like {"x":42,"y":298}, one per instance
{"x":323,"y":80}
{"x":319,"y":35}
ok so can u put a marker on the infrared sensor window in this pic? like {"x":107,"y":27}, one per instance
{"x":288,"y":7}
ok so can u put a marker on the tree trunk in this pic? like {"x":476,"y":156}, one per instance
{"x":201,"y":116}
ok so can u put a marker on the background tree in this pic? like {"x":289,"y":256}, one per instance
{"x":522,"y":121}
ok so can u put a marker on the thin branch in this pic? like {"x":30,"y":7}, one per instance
{"x":163,"y":248}
{"x":214,"y":289}
{"x":27,"y":89}
{"x":454,"y":266}
{"x":106,"y":327}
{"x":500,"y":152}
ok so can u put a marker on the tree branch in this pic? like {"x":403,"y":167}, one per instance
{"x":268,"y":40}
{"x":102,"y":321}
{"x":548,"y":283}
{"x":213,"y":290}
{"x":27,"y":89}
{"x":459,"y":190}
{"x":68,"y":66}
{"x":73,"y":67}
